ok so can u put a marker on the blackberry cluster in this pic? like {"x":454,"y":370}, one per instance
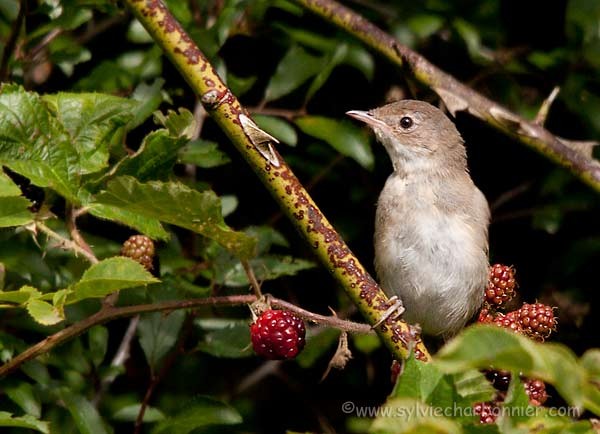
{"x":140,"y":248}
{"x":487,"y":411}
{"x":536,"y":321}
{"x":501,"y":285}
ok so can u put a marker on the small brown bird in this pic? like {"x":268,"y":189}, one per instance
{"x":431,"y":226}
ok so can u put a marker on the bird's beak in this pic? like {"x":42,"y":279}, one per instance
{"x":367,"y":118}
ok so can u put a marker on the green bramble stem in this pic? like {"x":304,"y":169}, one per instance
{"x":457,"y":96}
{"x":275,"y":174}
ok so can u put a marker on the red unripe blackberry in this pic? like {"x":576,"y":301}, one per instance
{"x":278,"y":334}
{"x":509,"y":321}
{"x":536,"y":390}
{"x":537,"y":320}
{"x":501,"y":285}
{"x":487,"y":411}
{"x":485,"y":316}
{"x":140,"y":248}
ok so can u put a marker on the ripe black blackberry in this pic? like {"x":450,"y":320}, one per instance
{"x":499,"y":379}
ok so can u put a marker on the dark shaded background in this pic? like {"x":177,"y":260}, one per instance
{"x":547,"y":228}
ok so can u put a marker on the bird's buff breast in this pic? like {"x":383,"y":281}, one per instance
{"x":431,"y":259}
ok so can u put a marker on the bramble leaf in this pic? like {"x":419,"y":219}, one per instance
{"x":177,"y":204}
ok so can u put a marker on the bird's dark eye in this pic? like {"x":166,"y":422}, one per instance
{"x":406,"y":122}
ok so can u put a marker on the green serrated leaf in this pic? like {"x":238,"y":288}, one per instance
{"x":130,"y":413}
{"x":179,"y":124}
{"x":200,"y":412}
{"x":149,"y":96}
{"x":35,"y":144}
{"x":240,"y":85}
{"x":24,"y":395}
{"x":66,"y":52}
{"x":418,"y":380}
{"x":21,"y":296}
{"x":98,"y":344}
{"x":155,"y":158}
{"x":266,"y":237}
{"x":333,"y":59}
{"x":408,"y":415}
{"x":145,"y":225}
{"x":181,"y":284}
{"x":318,"y":344}
{"x":472,"y":386}
{"x":424,"y":25}
{"x":137,"y":34}
{"x":43,"y":312}
{"x":344,"y":137}
{"x":179,"y":205}
{"x":590,"y":361}
{"x":516,"y":401}
{"x":110,"y":275}
{"x":360,"y":58}
{"x":91,"y":120}
{"x":278,"y":128}
{"x":296,"y":67}
{"x":84,"y":414}
{"x":158,"y":333}
{"x":14,"y":211}
{"x":470,"y":34}
{"x":266,"y":267}
{"x":481,"y":346}
{"x":27,"y":421}
{"x":7,"y":187}
{"x":203,"y":153}
{"x":224,"y":337}
{"x":59,"y":298}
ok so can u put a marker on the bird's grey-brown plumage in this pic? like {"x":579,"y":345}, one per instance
{"x":431,"y":226}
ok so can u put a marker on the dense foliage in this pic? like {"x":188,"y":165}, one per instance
{"x":100,"y":139}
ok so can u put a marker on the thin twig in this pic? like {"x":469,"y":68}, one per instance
{"x":35,"y":54}
{"x":290,"y":115}
{"x":109,"y":313}
{"x":509,"y":195}
{"x":96,"y":28}
{"x":266,"y":369}
{"x":155,"y":379}
{"x":251,"y":278}
{"x":66,"y":243}
{"x":529,"y":212}
{"x":120,"y":357}
{"x":12,"y":41}
{"x":75,"y":234}
{"x":332,"y":321}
